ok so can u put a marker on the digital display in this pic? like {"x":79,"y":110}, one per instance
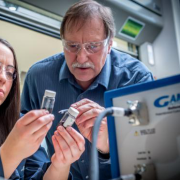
{"x":131,"y":28}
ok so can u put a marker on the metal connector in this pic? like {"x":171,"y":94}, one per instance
{"x":139,"y":114}
{"x":147,"y":171}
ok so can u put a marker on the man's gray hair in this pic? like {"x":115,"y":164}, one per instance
{"x":83,"y":10}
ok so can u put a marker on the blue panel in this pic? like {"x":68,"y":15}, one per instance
{"x":109,"y":95}
{"x":112,"y":140}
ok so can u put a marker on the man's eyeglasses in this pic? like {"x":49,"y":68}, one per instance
{"x":10,"y":72}
{"x":90,"y":47}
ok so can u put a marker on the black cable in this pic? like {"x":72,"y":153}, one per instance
{"x":94,"y":162}
{"x":94,"y":166}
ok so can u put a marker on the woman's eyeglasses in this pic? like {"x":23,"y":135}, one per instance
{"x":10,"y":72}
{"x":90,"y":47}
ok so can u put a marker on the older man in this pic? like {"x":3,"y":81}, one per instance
{"x":80,"y":76}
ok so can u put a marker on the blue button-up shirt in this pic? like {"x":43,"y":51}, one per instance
{"x":53,"y":74}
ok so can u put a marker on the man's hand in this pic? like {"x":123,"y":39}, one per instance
{"x":68,"y":145}
{"x":88,"y":112}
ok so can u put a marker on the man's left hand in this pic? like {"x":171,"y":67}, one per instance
{"x":88,"y":112}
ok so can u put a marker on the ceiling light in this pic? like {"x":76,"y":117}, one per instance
{"x":12,"y":8}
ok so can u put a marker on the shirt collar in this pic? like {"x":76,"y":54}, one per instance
{"x":64,"y":72}
{"x":102,"y":78}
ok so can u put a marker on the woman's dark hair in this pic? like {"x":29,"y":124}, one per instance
{"x":88,"y":9}
{"x":10,"y":108}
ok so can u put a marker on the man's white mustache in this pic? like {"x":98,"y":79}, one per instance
{"x":85,"y":65}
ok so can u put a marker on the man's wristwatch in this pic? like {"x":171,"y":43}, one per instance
{"x":102,"y":152}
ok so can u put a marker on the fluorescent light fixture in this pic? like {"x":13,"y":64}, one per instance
{"x":150,"y":54}
{"x":131,"y":28}
{"x":12,"y":8}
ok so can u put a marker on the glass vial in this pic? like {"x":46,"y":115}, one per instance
{"x":69,"y":117}
{"x":48,"y":100}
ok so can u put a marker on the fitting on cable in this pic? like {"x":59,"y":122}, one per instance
{"x":139,"y":113}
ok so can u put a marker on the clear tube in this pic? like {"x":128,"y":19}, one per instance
{"x":69,"y":117}
{"x":48,"y":104}
{"x":48,"y":100}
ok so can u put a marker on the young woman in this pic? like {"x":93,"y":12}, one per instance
{"x":20,"y":155}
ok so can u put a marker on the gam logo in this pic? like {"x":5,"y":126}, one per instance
{"x":167,"y":100}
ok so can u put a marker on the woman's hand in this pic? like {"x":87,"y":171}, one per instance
{"x":68,"y":145}
{"x":25,"y":138}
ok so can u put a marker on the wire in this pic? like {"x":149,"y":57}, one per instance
{"x":94,"y":166}
{"x":120,"y":112}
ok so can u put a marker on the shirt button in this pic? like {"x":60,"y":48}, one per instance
{"x":82,"y":160}
{"x":87,"y":177}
